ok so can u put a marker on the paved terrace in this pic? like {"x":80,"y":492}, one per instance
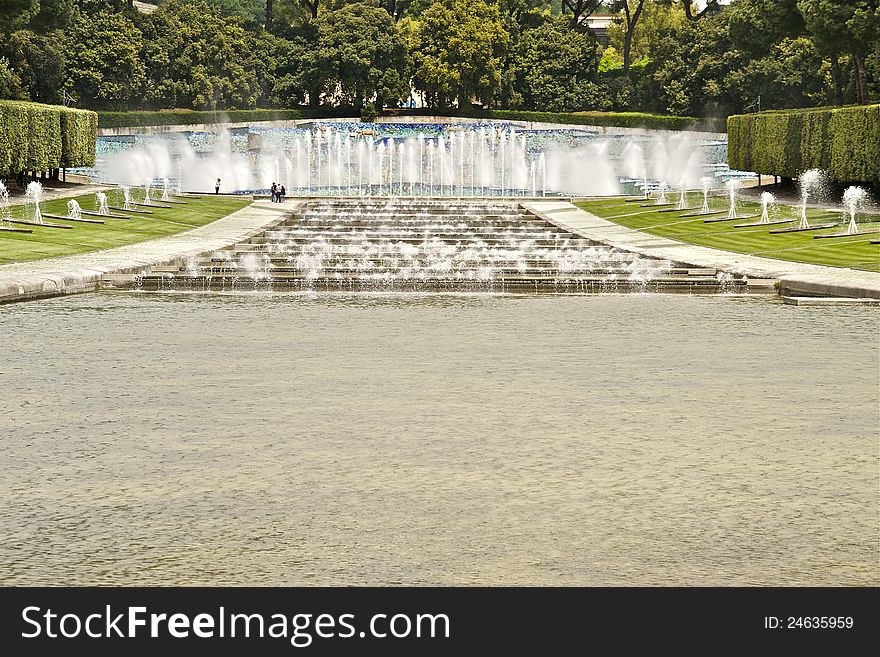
{"x":795,"y":278}
{"x":84,"y":272}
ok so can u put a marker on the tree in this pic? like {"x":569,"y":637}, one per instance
{"x":842,"y":27}
{"x":556,"y":68}
{"x":105,"y":70}
{"x":711,"y":7}
{"x":38,"y":62}
{"x":658,"y":20}
{"x":311,"y":6}
{"x":632,"y":11}
{"x":361,"y":56}
{"x":458,"y":49}
{"x":580,"y":9}
{"x":198,"y":58}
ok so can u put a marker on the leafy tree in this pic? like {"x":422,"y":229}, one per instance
{"x":105,"y":71}
{"x":555,"y":69}
{"x":632,"y":12}
{"x":38,"y":62}
{"x":16,"y":14}
{"x":281,"y":67}
{"x":788,"y":77}
{"x":580,"y":9}
{"x":361,"y":55}
{"x":10,"y":84}
{"x":755,"y":25}
{"x":198,"y":58}
{"x":710,"y":7}
{"x":844,"y":27}
{"x":458,"y":49}
{"x":658,"y":19}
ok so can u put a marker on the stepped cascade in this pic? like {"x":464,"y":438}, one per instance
{"x":426,"y":245}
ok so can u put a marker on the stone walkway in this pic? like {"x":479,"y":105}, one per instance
{"x":84,"y":272}
{"x":795,"y":278}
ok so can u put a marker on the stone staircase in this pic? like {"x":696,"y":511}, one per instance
{"x":427,"y":245}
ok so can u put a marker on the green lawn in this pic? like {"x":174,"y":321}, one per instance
{"x":855,"y":252}
{"x":51,"y":242}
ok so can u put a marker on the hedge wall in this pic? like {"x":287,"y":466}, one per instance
{"x":844,"y":141}
{"x":192,"y":117}
{"x":36,"y":137}
{"x":615,"y":119}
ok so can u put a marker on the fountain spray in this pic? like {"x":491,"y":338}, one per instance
{"x":4,"y":203}
{"x":767,"y":201}
{"x":853,"y":199}
{"x":34,"y":194}
{"x":128,"y":204}
{"x":731,"y":193}
{"x":682,"y":195}
{"x":810,"y":182}
{"x":707,"y":185}
{"x":101,"y":201}
{"x":74,"y":211}
{"x":661,"y":199}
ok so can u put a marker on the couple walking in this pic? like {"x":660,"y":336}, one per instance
{"x":278,"y":193}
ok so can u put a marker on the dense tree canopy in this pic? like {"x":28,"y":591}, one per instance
{"x":677,"y":56}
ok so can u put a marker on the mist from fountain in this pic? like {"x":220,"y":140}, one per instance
{"x":74,"y":211}
{"x":101,"y":205}
{"x":854,"y":199}
{"x":768,"y":202}
{"x":166,"y":184}
{"x":811,"y":183}
{"x":34,"y":194}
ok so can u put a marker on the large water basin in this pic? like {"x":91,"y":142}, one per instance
{"x":282,"y":439}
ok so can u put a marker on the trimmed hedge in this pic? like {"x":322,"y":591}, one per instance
{"x":35,"y":137}
{"x":193,"y":117}
{"x":844,"y":141}
{"x":79,"y":132}
{"x":613,"y":119}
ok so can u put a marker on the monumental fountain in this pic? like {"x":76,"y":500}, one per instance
{"x":348,"y":159}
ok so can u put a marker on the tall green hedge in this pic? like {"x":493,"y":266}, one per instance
{"x":36,"y":137}
{"x":79,"y":132}
{"x":844,"y":141}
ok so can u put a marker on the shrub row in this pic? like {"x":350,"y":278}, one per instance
{"x":193,"y":117}
{"x":36,"y":137}
{"x":844,"y":141}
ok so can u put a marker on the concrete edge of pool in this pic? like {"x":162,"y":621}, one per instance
{"x":85,"y":272}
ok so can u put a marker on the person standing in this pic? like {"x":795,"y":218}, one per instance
{"x":273,"y":190}
{"x":217,"y":186}
{"x":282,"y":194}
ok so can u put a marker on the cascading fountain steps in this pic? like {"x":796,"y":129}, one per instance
{"x":426,"y":245}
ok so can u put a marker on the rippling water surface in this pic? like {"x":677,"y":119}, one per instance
{"x":589,"y":440}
